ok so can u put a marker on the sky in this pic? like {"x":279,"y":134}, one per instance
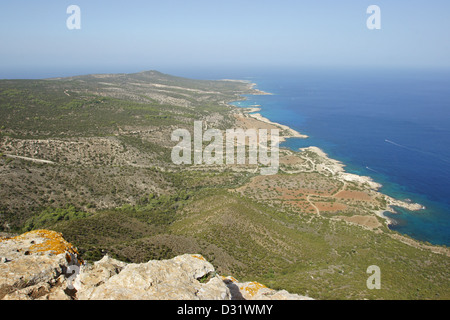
{"x":137,"y":35}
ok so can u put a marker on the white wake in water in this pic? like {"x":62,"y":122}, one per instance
{"x":418,"y":150}
{"x":368,"y":168}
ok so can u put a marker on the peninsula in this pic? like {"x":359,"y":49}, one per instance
{"x":90,"y":157}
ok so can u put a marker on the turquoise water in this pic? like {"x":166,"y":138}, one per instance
{"x":393,"y":126}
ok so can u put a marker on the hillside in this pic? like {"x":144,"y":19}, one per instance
{"x":89,"y":156}
{"x":42,"y":265}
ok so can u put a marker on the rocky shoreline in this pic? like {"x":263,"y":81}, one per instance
{"x":335,"y":167}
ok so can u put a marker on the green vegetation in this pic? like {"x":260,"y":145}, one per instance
{"x":108,"y":137}
{"x":325,"y":259}
{"x":96,"y":106}
{"x":50,"y":216}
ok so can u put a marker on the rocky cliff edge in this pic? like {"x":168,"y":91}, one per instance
{"x":42,"y":265}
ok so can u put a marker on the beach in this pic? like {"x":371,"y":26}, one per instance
{"x":320,"y":162}
{"x":249,"y":119}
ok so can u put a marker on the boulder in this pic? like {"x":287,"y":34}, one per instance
{"x":257,"y":291}
{"x":34,"y":265}
{"x":180,"y":278}
{"x":42,"y":265}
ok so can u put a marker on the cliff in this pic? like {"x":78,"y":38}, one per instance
{"x":42,"y":265}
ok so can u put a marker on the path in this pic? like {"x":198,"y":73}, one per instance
{"x":30,"y":159}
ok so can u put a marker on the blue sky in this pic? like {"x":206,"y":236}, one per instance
{"x":136,"y":35}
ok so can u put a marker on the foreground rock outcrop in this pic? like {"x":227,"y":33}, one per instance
{"x":42,"y":265}
{"x":36,"y":265}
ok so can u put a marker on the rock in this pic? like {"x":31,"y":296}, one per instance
{"x":92,"y":276}
{"x":175,"y":279}
{"x":40,"y":265}
{"x":214,"y":289}
{"x":35,"y":262}
{"x":257,"y":291}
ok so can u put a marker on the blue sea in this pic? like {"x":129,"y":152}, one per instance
{"x":391,"y":125}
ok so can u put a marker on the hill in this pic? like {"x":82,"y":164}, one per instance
{"x":89,"y":156}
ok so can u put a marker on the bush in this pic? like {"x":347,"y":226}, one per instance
{"x":50,"y":216}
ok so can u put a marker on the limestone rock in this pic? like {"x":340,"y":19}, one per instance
{"x":257,"y":291}
{"x":92,"y":276}
{"x":41,"y":264}
{"x":175,"y":279}
{"x":32,"y":265}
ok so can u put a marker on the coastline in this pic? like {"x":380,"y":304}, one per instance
{"x":246,"y":115}
{"x":251,"y":112}
{"x":291,"y":133}
{"x":337,"y":170}
{"x":336,"y":167}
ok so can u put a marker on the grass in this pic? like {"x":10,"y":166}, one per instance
{"x":324,"y":259}
{"x":109,"y":137}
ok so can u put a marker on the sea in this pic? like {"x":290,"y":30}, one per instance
{"x":391,"y":124}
